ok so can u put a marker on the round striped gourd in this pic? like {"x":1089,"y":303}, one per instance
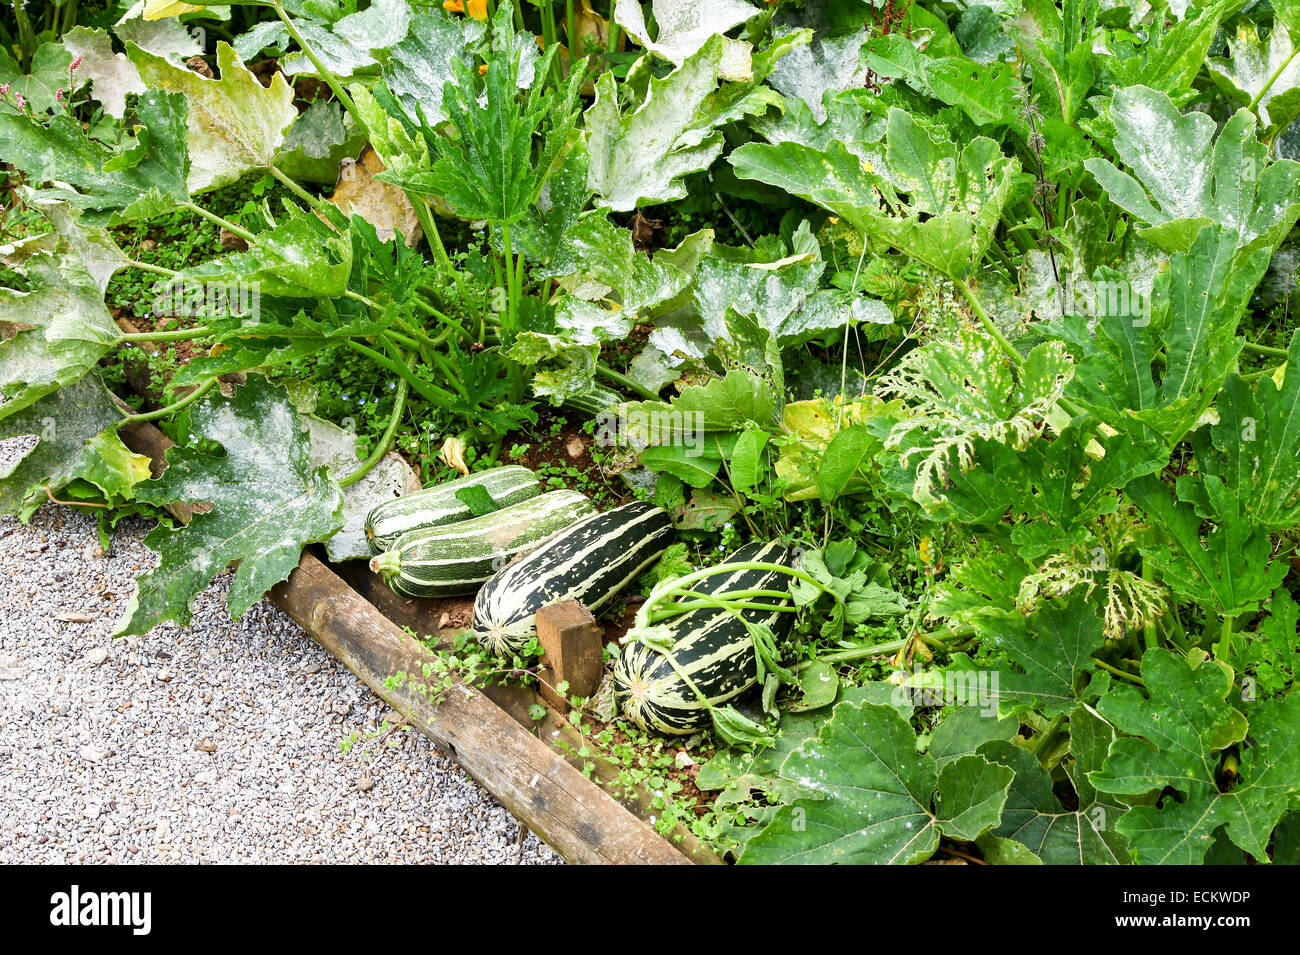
{"x":590,"y":562}
{"x":710,"y":645}
{"x":438,"y":505}
{"x":458,"y":558}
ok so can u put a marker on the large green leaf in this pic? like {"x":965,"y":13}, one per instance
{"x":146,"y":180}
{"x":54,"y":334}
{"x":683,"y":26}
{"x":881,"y":801}
{"x":318,"y":141}
{"x":1230,"y":569}
{"x":39,"y":88}
{"x":1034,"y":815}
{"x":640,"y":155}
{"x":66,"y":423}
{"x":300,"y":258}
{"x":419,"y":68}
{"x":1192,"y":320}
{"x":1255,"y":446}
{"x":1186,"y":180}
{"x":350,"y":42}
{"x":1176,"y":734}
{"x":603,"y":252}
{"x":986,"y":93}
{"x":1053,"y":648}
{"x":235,"y":124}
{"x":268,"y":502}
{"x":1264,"y":69}
{"x":955,"y":197}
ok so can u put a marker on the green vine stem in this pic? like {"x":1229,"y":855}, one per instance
{"x":170,"y":409}
{"x":618,"y":378}
{"x":385,"y":441}
{"x":430,"y":392}
{"x":1223,"y":650}
{"x":1263,"y":349}
{"x":315,"y":202}
{"x":322,"y":70}
{"x":989,"y":326}
{"x":680,"y":586}
{"x":224,"y":223}
{"x":175,"y":335}
{"x":1263,"y":90}
{"x":1117,"y":672}
{"x":150,"y":267}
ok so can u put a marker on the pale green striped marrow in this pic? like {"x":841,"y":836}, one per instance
{"x":438,"y":505}
{"x":591,"y":562}
{"x":458,"y":558}
{"x":710,"y":645}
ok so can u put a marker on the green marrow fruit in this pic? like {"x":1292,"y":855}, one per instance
{"x":710,"y":645}
{"x":591,"y":562}
{"x":438,"y":505}
{"x":458,"y":558}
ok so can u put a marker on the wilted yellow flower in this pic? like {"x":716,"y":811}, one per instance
{"x":453,"y":454}
{"x":925,"y":550}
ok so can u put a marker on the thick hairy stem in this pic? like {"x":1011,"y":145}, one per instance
{"x":176,"y":335}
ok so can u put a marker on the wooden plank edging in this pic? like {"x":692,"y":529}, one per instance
{"x":575,"y":817}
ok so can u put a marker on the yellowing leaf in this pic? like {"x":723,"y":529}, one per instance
{"x":161,"y":9}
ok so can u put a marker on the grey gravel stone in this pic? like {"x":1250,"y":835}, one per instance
{"x":209,"y":743}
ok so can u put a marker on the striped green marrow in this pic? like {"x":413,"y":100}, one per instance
{"x":590,"y":562}
{"x":457,"y":558}
{"x":711,"y":646}
{"x":595,"y":400}
{"x":438,"y":505}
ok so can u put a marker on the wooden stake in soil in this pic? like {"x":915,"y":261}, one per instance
{"x":571,"y":652}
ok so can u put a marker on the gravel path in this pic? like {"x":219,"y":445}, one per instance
{"x":218,"y":742}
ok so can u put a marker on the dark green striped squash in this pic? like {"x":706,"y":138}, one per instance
{"x":458,"y":558}
{"x":710,"y":645}
{"x":438,"y":505}
{"x":590,"y":562}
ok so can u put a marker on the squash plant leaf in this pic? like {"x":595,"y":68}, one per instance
{"x":1183,"y":179}
{"x":1034,"y":816}
{"x":491,"y":170}
{"x":235,"y":124}
{"x":302,"y":257}
{"x":986,"y":93}
{"x":955,"y":197}
{"x":686,"y":25}
{"x":1230,"y":569}
{"x":1053,"y":651}
{"x":419,"y":68}
{"x":146,"y":179}
{"x":1175,"y":738}
{"x":268,"y":502}
{"x":55,"y":333}
{"x":66,"y":423}
{"x":1191,"y":318}
{"x":1255,"y":446}
{"x":1263,"y":68}
{"x":880,"y":801}
{"x":640,"y":155}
